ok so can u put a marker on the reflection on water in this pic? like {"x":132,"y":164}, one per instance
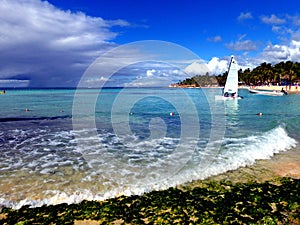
{"x":231,"y":116}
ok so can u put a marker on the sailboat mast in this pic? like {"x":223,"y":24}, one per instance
{"x":231,"y":59}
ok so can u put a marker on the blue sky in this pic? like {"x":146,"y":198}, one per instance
{"x":52,"y":43}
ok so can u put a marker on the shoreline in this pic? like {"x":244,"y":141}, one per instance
{"x":283,"y":164}
{"x":264,"y":193}
{"x":289,"y":89}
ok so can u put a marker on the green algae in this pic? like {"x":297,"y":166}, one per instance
{"x":276,"y":202}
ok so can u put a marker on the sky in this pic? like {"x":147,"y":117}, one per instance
{"x":55,"y":43}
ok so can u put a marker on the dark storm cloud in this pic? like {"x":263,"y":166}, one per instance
{"x":49,"y":46}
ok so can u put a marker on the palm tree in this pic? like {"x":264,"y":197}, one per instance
{"x":290,"y":71}
{"x":279,"y":69}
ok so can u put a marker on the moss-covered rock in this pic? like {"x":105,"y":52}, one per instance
{"x":276,"y":202}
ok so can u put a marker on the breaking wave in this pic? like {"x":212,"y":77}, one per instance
{"x":47,"y":156}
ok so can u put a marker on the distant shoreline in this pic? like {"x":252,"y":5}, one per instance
{"x":290,"y":89}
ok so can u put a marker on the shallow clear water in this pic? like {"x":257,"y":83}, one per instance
{"x":89,"y":144}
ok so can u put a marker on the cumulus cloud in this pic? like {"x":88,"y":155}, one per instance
{"x":281,"y":30}
{"x":196,"y":69}
{"x":296,"y":35}
{"x":244,"y":16}
{"x":49,"y":46}
{"x":295,"y":51}
{"x":288,"y":47}
{"x":276,"y":53}
{"x":295,"y":20}
{"x":215,"y":66}
{"x":150,"y":73}
{"x":273,"y":19}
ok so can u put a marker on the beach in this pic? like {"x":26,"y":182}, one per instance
{"x":154,"y":112}
{"x":286,"y":164}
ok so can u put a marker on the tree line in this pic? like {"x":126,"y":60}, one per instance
{"x":283,"y":73}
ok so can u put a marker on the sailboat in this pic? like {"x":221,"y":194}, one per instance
{"x":231,"y":85}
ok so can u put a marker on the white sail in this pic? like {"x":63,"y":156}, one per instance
{"x":231,"y":85}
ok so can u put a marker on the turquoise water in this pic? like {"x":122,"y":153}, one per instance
{"x":94,"y":144}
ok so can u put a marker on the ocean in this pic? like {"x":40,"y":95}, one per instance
{"x":88,"y":144}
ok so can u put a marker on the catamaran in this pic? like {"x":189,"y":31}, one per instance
{"x":231,"y":86}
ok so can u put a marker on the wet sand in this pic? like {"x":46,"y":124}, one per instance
{"x":285,"y":164}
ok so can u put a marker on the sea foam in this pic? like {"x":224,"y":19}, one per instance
{"x":234,"y":153}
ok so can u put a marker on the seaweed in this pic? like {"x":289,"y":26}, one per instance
{"x":276,"y":202}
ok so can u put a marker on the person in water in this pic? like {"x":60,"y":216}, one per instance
{"x":284,"y":92}
{"x":226,"y":94}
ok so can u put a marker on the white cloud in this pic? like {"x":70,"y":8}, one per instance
{"x":296,"y":35}
{"x":273,"y":19}
{"x":242,"y":45}
{"x":276,"y":53}
{"x":295,"y":20}
{"x":37,"y":40}
{"x":287,"y":29}
{"x":149,"y":73}
{"x":97,"y":80}
{"x":196,"y":69}
{"x":244,"y":16}
{"x":295,"y":51}
{"x":149,"y":82}
{"x":217,"y":66}
{"x":282,"y":30}
{"x":215,"y":39}
{"x":14,"y":83}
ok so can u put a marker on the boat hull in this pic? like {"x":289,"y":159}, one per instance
{"x":221,"y":97}
{"x":269,"y":93}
